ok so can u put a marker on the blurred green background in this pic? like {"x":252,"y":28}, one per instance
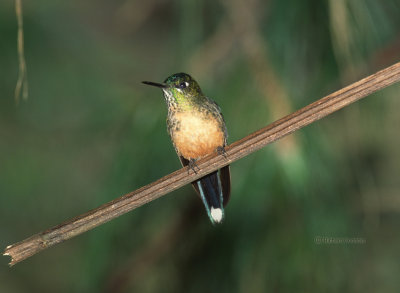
{"x":90,"y":132}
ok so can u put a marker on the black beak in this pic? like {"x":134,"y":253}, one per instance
{"x":160,"y":85}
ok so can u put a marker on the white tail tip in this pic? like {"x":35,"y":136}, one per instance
{"x":216,"y":214}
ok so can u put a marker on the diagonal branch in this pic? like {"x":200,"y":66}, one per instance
{"x":177,"y":179}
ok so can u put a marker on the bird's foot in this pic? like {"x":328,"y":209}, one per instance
{"x":192,"y":165}
{"x":221,"y":151}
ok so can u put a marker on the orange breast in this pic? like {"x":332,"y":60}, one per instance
{"x":197,"y":135}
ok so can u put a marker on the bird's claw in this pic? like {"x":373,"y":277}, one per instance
{"x":221,"y":151}
{"x":192,"y":165}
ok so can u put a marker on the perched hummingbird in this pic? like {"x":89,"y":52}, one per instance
{"x":197,"y":128}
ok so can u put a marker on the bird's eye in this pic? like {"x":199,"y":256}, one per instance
{"x":183,"y":85}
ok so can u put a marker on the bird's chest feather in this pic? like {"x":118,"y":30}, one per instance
{"x":195,"y":135}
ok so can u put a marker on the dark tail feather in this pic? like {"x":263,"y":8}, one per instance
{"x":210,"y":190}
{"x":213,"y":190}
{"x":225,"y":177}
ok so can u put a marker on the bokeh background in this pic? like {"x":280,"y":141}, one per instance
{"x":90,"y":132}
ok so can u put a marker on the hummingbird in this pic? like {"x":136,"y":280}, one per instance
{"x":197,"y":128}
